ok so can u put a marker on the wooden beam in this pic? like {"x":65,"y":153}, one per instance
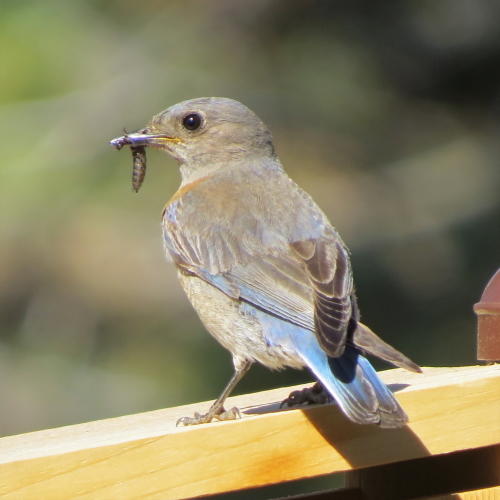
{"x":146,"y":456}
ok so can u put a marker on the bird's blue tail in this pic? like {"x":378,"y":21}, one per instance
{"x":354,"y":384}
{"x":350,"y":379}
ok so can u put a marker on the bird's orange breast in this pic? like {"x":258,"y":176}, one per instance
{"x":182,"y":191}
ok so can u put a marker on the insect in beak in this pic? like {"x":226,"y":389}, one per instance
{"x":137,"y":142}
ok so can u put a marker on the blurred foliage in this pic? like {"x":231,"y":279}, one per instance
{"x":387,"y":113}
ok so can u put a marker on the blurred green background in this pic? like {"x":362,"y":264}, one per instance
{"x":387,"y":113}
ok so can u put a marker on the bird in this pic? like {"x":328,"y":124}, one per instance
{"x":268,"y":275}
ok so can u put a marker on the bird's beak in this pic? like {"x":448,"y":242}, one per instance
{"x":142,"y":138}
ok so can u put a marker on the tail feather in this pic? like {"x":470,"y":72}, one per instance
{"x":370,"y":342}
{"x":356,"y":387}
{"x":350,"y":379}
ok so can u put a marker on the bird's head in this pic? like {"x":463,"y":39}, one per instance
{"x":204,"y":132}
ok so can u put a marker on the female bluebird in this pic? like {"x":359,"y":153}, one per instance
{"x":268,"y":275}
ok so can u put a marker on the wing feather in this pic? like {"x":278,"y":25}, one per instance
{"x":329,"y":271}
{"x":286,"y":259}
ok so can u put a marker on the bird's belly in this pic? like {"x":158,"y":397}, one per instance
{"x":235,"y":328}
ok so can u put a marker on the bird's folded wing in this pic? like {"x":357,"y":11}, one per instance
{"x":284,"y":258}
{"x":328,"y":269}
{"x":307,"y":283}
{"x":277,"y":285}
{"x":309,"y":286}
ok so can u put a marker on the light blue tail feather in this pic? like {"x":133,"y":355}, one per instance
{"x":350,"y":379}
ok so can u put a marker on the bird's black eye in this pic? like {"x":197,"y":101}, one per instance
{"x":192,"y":121}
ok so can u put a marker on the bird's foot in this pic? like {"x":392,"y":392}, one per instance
{"x":217,"y":414}
{"x":316,"y":394}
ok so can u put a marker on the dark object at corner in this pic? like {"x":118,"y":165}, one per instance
{"x":488,"y":321}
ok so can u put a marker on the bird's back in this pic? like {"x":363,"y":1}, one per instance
{"x":239,"y":213}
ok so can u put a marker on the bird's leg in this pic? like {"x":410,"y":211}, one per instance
{"x":317,"y":394}
{"x":217,"y":409}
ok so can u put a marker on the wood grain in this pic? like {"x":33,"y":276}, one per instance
{"x":146,"y":456}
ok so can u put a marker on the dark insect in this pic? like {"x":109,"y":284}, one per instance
{"x":139,"y":157}
{"x":139,"y":167}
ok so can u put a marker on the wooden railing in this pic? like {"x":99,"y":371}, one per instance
{"x":451,"y":445}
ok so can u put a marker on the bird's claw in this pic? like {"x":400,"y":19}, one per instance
{"x":205,"y":418}
{"x":198,"y":418}
{"x":232,"y":414}
{"x":310,"y":395}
